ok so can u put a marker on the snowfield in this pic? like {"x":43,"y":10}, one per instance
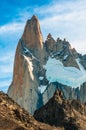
{"x":70,"y":76}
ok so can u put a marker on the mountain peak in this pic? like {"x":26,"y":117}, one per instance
{"x":49,"y":36}
{"x":57,"y":94}
{"x":32,"y":35}
{"x":34,"y":17}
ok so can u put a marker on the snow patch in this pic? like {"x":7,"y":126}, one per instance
{"x":65,"y":57}
{"x":56,"y":54}
{"x":30,"y":66}
{"x":41,"y":78}
{"x":42,"y":88}
{"x":27,"y":51}
{"x":70,"y":76}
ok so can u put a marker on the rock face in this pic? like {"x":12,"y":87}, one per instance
{"x":68,"y":92}
{"x":24,"y":87}
{"x":70,"y":114}
{"x":83,"y":60}
{"x":42,"y":67}
{"x":32,"y":35}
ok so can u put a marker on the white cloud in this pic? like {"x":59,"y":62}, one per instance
{"x":66,"y":20}
{"x":5,"y":83}
{"x":7,"y":57}
{"x":12,"y":27}
{"x":67,"y":14}
{"x":80,"y":46}
{"x":6,"y":65}
{"x":5,"y":69}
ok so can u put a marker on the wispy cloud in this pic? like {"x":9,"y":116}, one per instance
{"x":12,"y":27}
{"x":8,"y":57}
{"x":6,"y":72}
{"x":66,"y":20}
{"x":5,"y":83}
{"x":69,"y":13}
{"x":6,"y":68}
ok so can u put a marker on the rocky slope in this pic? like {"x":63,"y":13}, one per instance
{"x":13,"y":117}
{"x":40,"y":67}
{"x":57,"y":114}
{"x":70,"y":114}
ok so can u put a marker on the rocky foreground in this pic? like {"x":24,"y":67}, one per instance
{"x":57,"y":114}
{"x":13,"y":117}
{"x":70,"y":114}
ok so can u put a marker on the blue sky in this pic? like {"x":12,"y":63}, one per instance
{"x":62,"y":18}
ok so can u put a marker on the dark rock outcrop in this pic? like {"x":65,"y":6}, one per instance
{"x":70,"y":114}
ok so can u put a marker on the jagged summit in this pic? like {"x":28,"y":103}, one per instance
{"x":34,"y":17}
{"x":49,"y":36}
{"x":32,"y":35}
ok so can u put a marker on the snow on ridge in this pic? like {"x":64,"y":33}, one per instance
{"x":27,"y":51}
{"x":70,"y":76}
{"x":30,"y":66}
{"x":65,"y":57}
{"x":42,"y":88}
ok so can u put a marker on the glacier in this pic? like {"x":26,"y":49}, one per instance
{"x":70,"y":76}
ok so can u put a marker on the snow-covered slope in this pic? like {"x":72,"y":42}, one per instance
{"x":70,"y":76}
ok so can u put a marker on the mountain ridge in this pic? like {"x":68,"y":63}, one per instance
{"x":40,"y":67}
